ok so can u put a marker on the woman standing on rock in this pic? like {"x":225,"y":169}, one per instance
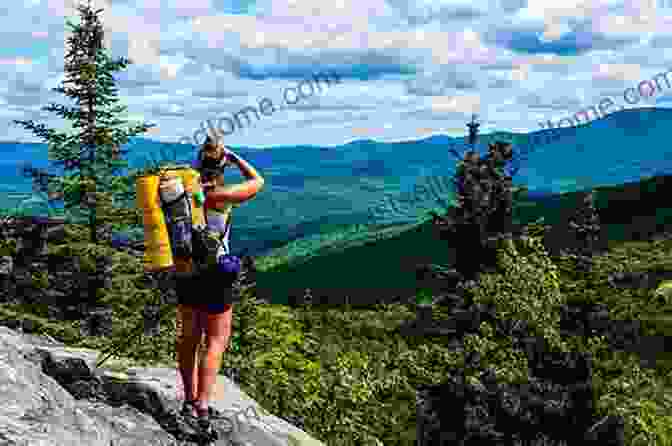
{"x":204,"y":305}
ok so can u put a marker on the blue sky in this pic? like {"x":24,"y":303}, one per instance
{"x":406,"y":69}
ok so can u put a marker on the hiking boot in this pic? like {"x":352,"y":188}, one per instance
{"x":204,"y":424}
{"x":199,"y":421}
{"x":189,"y":409}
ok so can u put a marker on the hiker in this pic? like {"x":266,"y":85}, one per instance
{"x":204,"y":305}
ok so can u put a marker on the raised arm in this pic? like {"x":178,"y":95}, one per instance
{"x":238,"y":193}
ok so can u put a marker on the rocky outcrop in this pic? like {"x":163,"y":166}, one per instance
{"x":53,"y":395}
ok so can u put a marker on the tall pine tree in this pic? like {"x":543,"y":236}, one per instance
{"x":92,"y":152}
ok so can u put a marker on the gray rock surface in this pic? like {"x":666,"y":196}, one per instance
{"x":51,"y":394}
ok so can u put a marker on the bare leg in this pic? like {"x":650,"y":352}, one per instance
{"x":200,"y":351}
{"x":187,"y":348}
{"x":218,"y":331}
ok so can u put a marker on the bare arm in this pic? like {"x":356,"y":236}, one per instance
{"x":238,"y":193}
{"x":246,"y":168}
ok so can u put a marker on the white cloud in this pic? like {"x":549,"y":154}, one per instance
{"x":17,"y":62}
{"x":462,"y":104}
{"x":497,"y":58}
{"x":622,"y":72}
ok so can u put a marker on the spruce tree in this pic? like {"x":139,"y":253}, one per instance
{"x":473,"y":132}
{"x":92,"y":152}
{"x":485,"y":199}
{"x":584,"y":226}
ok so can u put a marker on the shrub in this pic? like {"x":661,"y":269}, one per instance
{"x":40,"y":279}
{"x":664,"y":293}
{"x":8,"y":248}
{"x":498,"y":354}
{"x":626,"y":389}
{"x":344,"y":380}
{"x":526,"y":287}
{"x":537,"y":229}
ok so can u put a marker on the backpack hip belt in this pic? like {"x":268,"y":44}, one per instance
{"x":212,"y":255}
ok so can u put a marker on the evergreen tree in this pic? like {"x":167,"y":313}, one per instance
{"x":92,"y":153}
{"x":473,"y":132}
{"x":485,"y":199}
{"x":584,"y":226}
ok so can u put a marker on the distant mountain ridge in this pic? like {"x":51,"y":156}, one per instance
{"x":309,"y":185}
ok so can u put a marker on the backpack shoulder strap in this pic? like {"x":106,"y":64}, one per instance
{"x":180,"y":197}
{"x":225,"y":242}
{"x":228,"y":223}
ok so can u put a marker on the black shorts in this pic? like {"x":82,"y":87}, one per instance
{"x":207,"y":291}
{"x":212,"y":308}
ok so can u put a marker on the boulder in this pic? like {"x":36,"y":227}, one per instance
{"x":54,"y":395}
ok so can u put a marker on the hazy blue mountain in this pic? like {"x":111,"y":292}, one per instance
{"x":309,"y":185}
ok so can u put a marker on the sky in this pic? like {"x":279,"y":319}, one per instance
{"x":397,"y":69}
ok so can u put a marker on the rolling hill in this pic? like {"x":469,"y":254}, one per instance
{"x":367,"y":265}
